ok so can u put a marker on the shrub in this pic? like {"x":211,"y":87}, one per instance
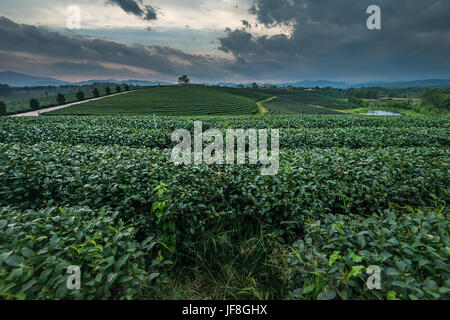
{"x":96,"y":93}
{"x":356,"y":101}
{"x":108,"y":90}
{"x":127,"y":87}
{"x":411,"y":248}
{"x":118,"y":89}
{"x":34,"y":104}
{"x":80,"y":95}
{"x":2,"y":109}
{"x":60,"y":98}
{"x":37,"y":247}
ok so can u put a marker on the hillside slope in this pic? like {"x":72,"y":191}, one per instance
{"x":173,"y":100}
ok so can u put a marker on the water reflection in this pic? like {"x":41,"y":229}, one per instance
{"x":383,"y":113}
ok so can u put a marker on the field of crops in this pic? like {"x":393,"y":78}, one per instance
{"x":286,"y":105}
{"x":192,"y":100}
{"x":293,"y":100}
{"x":101,"y":193}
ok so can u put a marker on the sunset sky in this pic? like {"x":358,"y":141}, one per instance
{"x":227,"y":40}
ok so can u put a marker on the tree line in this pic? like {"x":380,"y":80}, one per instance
{"x":60,"y":98}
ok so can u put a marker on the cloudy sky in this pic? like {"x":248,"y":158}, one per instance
{"x":227,"y":40}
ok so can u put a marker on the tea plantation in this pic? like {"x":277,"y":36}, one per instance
{"x":101,"y":193}
{"x":192,"y":100}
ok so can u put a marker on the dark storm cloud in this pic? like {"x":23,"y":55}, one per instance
{"x":328,"y":40}
{"x":40,"y":41}
{"x":136,"y":7}
{"x":331,"y":37}
{"x":88,"y":69}
{"x":246,"y":24}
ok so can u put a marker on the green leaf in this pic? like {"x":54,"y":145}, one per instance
{"x":53,"y":242}
{"x":122,"y":261}
{"x":392,"y":295}
{"x":14,"y":260}
{"x":44,"y":275}
{"x":110,"y":260}
{"x":356,"y":270}
{"x":152,"y":276}
{"x":333,"y":258}
{"x":355,"y":257}
{"x":61,"y":291}
{"x":327,"y":294}
{"x":392,"y":272}
{"x":26,"y":252}
{"x":16,"y":273}
{"x":309,"y":288}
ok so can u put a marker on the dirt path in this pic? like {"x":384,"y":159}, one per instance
{"x":263,"y":110}
{"x":36,"y":113}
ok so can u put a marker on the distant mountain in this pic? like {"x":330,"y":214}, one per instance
{"x":228,"y":84}
{"x":319,"y":83}
{"x":14,"y":79}
{"x":431,"y":83}
{"x":130,"y":82}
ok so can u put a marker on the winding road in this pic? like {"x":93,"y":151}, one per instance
{"x":36,"y":113}
{"x":263,"y":110}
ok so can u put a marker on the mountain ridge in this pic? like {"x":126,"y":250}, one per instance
{"x":15,"y":79}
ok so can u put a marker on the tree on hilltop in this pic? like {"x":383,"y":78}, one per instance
{"x":184,"y":80}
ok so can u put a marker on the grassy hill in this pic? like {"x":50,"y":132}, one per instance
{"x":292,"y":100}
{"x":170,"y":100}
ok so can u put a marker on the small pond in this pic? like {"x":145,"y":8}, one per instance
{"x":383,"y":113}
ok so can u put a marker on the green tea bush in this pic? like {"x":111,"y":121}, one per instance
{"x":411,"y":248}
{"x":37,"y":247}
{"x":102,"y":193}
{"x":2,"y":109}
{"x":229,"y":122}
{"x":310,"y":181}
{"x":129,"y":135}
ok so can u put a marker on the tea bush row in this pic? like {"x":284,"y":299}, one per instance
{"x":353,"y":137}
{"x":38,"y":246}
{"x":309,"y":182}
{"x":410,"y":247}
{"x":234,"y":122}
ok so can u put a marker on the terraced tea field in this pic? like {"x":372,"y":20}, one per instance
{"x":100,"y":192}
{"x":192,"y":100}
{"x":286,"y":105}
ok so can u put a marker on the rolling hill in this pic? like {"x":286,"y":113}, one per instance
{"x":170,"y":100}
